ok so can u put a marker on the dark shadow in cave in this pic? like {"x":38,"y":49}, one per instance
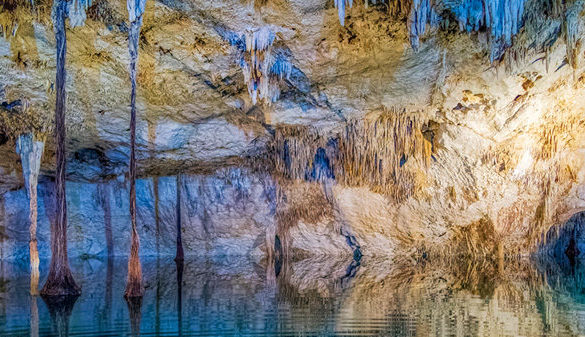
{"x":277,"y":256}
{"x":566,"y":241}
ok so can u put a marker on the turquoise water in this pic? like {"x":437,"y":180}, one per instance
{"x":313,"y":297}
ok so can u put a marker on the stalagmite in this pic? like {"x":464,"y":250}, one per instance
{"x":30,"y":152}
{"x":134,"y":287}
{"x":60,"y":281}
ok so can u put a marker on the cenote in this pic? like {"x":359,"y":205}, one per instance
{"x":292,"y":167}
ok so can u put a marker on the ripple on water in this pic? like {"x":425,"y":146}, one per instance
{"x":236,"y":296}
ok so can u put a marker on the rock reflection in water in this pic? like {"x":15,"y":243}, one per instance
{"x":317,"y":296}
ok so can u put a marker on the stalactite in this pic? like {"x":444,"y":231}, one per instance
{"x":60,"y":281}
{"x":502,"y":18}
{"x":76,"y":11}
{"x":134,"y":287}
{"x":340,"y":5}
{"x":572,"y":35}
{"x":262,"y":70}
{"x":179,"y":256}
{"x":256,"y":72}
{"x":399,"y":8}
{"x":372,"y":152}
{"x":421,"y":14}
{"x":30,"y":152}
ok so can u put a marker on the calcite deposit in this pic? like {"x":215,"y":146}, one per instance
{"x":402,"y":129}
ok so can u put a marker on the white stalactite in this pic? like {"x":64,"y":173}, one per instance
{"x":421,"y":14}
{"x":76,"y":12}
{"x":262,"y":71}
{"x":135,"y":9}
{"x":341,"y":5}
{"x":31,"y":152}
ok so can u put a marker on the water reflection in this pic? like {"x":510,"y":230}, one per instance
{"x":135,"y":313}
{"x":180,"y":266}
{"x":60,"y":309}
{"x":316,"y":296}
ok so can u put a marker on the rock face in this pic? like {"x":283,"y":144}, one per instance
{"x":470,"y":143}
{"x":223,"y":214}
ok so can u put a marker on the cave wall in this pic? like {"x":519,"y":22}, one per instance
{"x":494,"y":153}
{"x":226,"y":213}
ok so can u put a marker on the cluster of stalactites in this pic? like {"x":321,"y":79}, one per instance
{"x":375,"y":152}
{"x":262,"y":71}
{"x":421,"y":15}
{"x":387,"y":153}
{"x":76,"y":12}
{"x":503,"y":18}
{"x":292,"y":150}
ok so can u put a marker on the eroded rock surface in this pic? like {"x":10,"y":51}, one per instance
{"x":463,"y":145}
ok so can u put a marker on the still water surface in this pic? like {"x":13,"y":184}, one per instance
{"x":313,"y":297}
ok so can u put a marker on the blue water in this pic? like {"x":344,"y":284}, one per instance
{"x":313,"y":297}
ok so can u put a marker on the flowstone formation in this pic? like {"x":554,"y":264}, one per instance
{"x":300,"y":128}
